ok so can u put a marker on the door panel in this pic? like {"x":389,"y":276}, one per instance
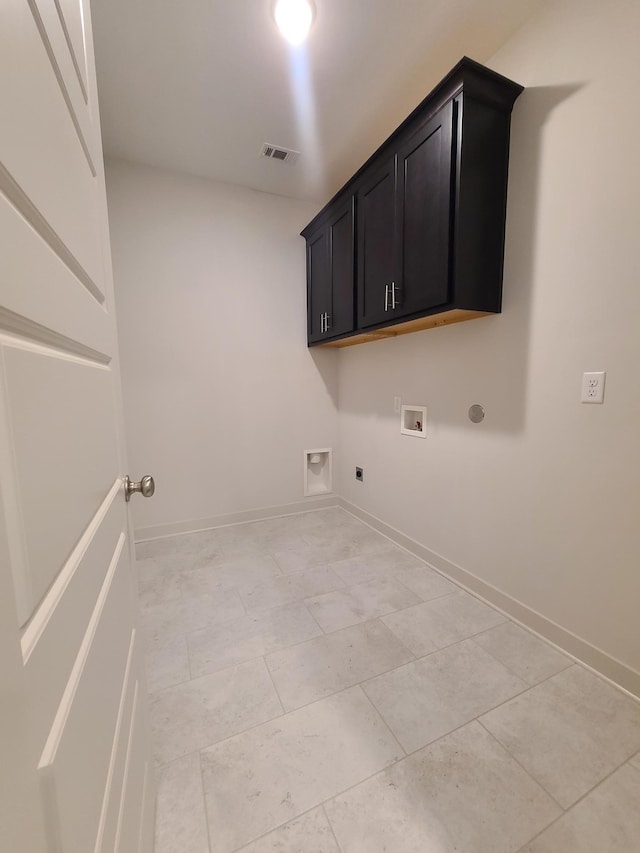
{"x":330,"y":275}
{"x":116,"y":786}
{"x":74,"y":762}
{"x":63,"y":442}
{"x":318,"y":284}
{"x":424,"y":214}
{"x":41,"y":152}
{"x":54,"y":634}
{"x":135,"y":778}
{"x":47,"y":301}
{"x":147,"y":823}
{"x":74,"y":697}
{"x":57,"y":43}
{"x":341,"y":238}
{"x":376,"y":244}
{"x":21,"y":818}
{"x":71,"y":14}
{"x":129,"y":702}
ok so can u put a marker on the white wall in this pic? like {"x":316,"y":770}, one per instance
{"x":221,"y":396}
{"x":542,"y":499}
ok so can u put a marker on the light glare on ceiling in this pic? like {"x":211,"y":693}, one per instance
{"x":294,"y":18}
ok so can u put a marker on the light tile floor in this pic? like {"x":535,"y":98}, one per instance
{"x":315,"y":689}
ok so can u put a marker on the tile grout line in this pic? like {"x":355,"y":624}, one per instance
{"x":473,"y":636}
{"x":379,"y":615}
{"x":161,"y":766}
{"x":186,"y":642}
{"x":416,"y":659}
{"x":204,"y":802}
{"x":200,"y":749}
{"x":266,"y":666}
{"x":245,"y":611}
{"x":212,"y":564}
{"x":344,"y":588}
{"x":243,"y":660}
{"x":342,"y":791}
{"x":308,"y":609}
{"x":153,"y":692}
{"x":398,"y":545}
{"x":386,"y":724}
{"x":333,"y":832}
{"x":390,"y":766}
{"x":264,"y":654}
{"x":471,"y":720}
{"x":302,"y":603}
{"x":407,"y":754}
{"x":319,"y":528}
{"x":532,"y":687}
{"x":403,"y":758}
{"x":432,"y":743}
{"x":226,"y":667}
{"x":234,"y":524}
{"x":302,"y":643}
{"x":570,"y":808}
{"x":292,"y":576}
{"x":435,"y":651}
{"x":322,"y":803}
{"x":353,"y":684}
{"x":527,"y":773}
{"x":510,"y":669}
{"x":280,"y":826}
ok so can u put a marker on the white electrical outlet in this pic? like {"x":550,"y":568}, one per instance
{"x":593,"y":387}
{"x":396,"y":404}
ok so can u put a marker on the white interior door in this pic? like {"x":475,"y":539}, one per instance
{"x":75,"y":771}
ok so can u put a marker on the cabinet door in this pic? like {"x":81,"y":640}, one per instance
{"x":331,"y":275}
{"x":342,"y":270}
{"x":425,"y":170}
{"x":376,"y":244}
{"x":318,"y":283}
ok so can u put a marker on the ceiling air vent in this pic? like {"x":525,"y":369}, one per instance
{"x":277,"y":152}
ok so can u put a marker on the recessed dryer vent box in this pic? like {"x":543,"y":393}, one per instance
{"x":317,"y":472}
{"x":413,"y":421}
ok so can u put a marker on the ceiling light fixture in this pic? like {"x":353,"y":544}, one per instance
{"x":294,"y":19}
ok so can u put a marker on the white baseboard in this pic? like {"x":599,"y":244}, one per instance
{"x":600,"y":662}
{"x":160,"y":531}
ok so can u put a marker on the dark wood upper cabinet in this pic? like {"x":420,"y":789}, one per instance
{"x":330,"y":274}
{"x":318,"y":283}
{"x":376,"y":247}
{"x":404,"y":216}
{"x":425,"y":181}
{"x":427,"y":231}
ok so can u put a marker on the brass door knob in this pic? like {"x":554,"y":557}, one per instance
{"x":146,"y":487}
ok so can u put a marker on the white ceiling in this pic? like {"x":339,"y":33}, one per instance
{"x":199,"y":85}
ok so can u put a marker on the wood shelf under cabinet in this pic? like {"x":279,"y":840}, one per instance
{"x":446,"y":318}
